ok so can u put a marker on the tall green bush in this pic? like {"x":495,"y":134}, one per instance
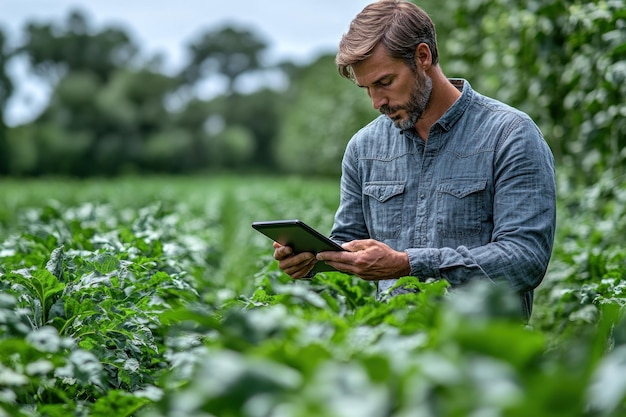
{"x":561,"y":61}
{"x":326,"y":112}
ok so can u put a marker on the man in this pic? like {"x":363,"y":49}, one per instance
{"x":446,"y":183}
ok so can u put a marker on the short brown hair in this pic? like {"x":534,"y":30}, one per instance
{"x":398,"y":24}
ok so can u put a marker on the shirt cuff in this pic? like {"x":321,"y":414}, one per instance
{"x":424,"y":263}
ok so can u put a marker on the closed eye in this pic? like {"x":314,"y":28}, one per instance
{"x":382,"y":82}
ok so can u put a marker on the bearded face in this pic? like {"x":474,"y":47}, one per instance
{"x":406,"y":115}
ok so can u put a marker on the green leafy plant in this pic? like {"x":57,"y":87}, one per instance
{"x":162,"y":301}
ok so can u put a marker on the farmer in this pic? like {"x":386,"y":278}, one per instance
{"x":446,"y":183}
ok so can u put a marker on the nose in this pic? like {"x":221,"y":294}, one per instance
{"x":378,"y":98}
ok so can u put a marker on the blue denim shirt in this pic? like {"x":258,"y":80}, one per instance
{"x":476,"y":200}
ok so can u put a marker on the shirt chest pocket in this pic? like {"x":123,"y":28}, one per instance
{"x":461,"y":207}
{"x":383,"y":208}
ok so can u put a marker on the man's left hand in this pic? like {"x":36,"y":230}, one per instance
{"x":369,"y":259}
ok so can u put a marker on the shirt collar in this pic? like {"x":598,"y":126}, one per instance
{"x":454,"y":113}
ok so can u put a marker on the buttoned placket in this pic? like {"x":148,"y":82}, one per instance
{"x":428,"y":153}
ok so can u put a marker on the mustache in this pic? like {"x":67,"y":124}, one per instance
{"x":387,"y":110}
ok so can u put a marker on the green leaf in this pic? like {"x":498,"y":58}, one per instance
{"x":515,"y":344}
{"x":47,"y":287}
{"x":45,"y":339}
{"x":118,"y":403}
{"x":106,"y":263}
{"x":55,"y":263}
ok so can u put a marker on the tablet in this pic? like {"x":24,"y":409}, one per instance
{"x":300,"y":236}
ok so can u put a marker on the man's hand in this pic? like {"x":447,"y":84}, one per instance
{"x":296,"y":266}
{"x":369,"y":259}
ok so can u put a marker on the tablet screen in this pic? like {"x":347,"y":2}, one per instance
{"x":300,"y":237}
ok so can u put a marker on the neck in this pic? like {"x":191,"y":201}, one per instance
{"x":442,"y":97}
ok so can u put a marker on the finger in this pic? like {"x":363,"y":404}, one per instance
{"x":342,"y":266}
{"x":335,"y":256}
{"x":282,"y":252}
{"x":295,"y":261}
{"x":324,"y":256}
{"x":301,"y":270}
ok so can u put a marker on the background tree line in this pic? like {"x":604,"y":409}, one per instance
{"x":562,"y":61}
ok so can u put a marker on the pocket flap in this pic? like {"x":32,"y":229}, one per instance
{"x":462,"y":187}
{"x":383,"y":190}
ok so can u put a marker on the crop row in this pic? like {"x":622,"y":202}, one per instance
{"x":160,"y":300}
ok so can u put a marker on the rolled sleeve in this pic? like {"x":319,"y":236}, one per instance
{"x":425,"y":262}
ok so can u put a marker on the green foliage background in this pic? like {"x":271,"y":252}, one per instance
{"x":152,"y":296}
{"x":155,"y":297}
{"x":562,"y":61}
{"x":326,"y":111}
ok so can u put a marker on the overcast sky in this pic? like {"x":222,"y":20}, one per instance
{"x":296,"y":30}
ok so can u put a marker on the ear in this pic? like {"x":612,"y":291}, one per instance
{"x":423,"y":56}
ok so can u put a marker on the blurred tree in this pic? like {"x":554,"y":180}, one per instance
{"x":101,"y":110}
{"x":117,"y":113}
{"x":258,"y":114}
{"x":6,"y":90}
{"x":110,"y":122}
{"x":232,"y":148}
{"x":54,"y":50}
{"x":196,"y":118}
{"x":135,"y":111}
{"x":324,"y":113}
{"x":59,"y":151}
{"x":169,"y":150}
{"x":228,"y":51}
{"x":562,"y":61}
{"x":23,"y":150}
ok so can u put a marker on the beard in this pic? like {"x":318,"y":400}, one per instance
{"x":416,"y":105}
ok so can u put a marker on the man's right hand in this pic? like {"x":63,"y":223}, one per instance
{"x":295,"y":265}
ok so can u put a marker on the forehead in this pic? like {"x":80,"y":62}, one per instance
{"x":379,"y":65}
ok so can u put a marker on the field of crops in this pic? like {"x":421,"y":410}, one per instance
{"x":154,"y":297}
